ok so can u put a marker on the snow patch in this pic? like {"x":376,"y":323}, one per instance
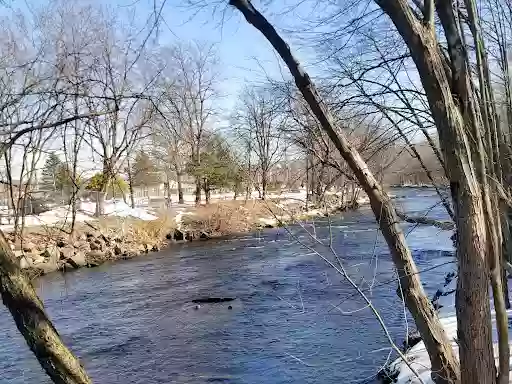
{"x":118,"y":208}
{"x":418,"y":356}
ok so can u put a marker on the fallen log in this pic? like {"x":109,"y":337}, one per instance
{"x":444,"y":225}
{"x":212,"y":300}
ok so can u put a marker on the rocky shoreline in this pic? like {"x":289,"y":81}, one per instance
{"x":91,"y":246}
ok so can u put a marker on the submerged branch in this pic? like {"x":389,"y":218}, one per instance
{"x":444,"y":225}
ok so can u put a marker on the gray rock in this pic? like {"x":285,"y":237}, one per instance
{"x":18,"y":253}
{"x":67,"y":252}
{"x":52,"y":253}
{"x":24,"y":264}
{"x":96,"y":245}
{"x":47,"y":267}
{"x":60,"y":243}
{"x":79,"y":259}
{"x":83,"y":246}
{"x":178,"y":235}
{"x":95,"y":258}
{"x":117,"y":250}
{"x":38,"y":260}
{"x":90,"y":235}
{"x":28,"y":247}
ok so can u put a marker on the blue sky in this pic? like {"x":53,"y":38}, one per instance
{"x":245,"y":56}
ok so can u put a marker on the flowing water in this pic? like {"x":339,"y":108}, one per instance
{"x":294,"y":320}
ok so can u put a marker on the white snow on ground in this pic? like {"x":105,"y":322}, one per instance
{"x":52,"y":217}
{"x":118,"y":208}
{"x":85,"y":212}
{"x":418,"y":356}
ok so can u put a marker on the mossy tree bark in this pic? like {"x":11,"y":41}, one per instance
{"x":28,"y":313}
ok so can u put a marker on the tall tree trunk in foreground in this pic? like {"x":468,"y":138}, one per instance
{"x":444,"y":366}
{"x":28,"y":312}
{"x":462,"y":134}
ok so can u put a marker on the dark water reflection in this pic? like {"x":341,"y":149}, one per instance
{"x":132,"y":322}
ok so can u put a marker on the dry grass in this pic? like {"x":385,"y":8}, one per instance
{"x":136,"y":230}
{"x":229,"y":217}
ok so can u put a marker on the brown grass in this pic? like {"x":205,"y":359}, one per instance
{"x":229,"y":217}
{"x":136,"y":230}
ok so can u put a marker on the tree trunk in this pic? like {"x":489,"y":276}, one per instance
{"x":179,"y":176}
{"x":444,"y":366}
{"x":100,"y":203}
{"x":130,"y":185}
{"x":198,"y":190}
{"x":74,"y":210}
{"x":28,"y":313}
{"x":466,"y":173}
{"x":264,"y":183}
{"x":207,"y":190}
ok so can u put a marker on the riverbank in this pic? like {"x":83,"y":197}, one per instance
{"x":46,"y":249}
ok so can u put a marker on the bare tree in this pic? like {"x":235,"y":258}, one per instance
{"x":191,"y":97}
{"x":259,"y":119}
{"x":444,"y":366}
{"x":170,"y":135}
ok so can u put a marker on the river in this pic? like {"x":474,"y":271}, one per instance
{"x":294,"y":319}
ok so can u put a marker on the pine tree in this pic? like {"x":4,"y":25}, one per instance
{"x":144,"y":171}
{"x":51,"y":173}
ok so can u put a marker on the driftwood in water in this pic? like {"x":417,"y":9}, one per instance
{"x":445,"y":225}
{"x":212,"y":300}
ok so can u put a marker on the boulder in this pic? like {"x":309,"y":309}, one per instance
{"x":24,"y":263}
{"x":83,"y":246}
{"x":178,"y":235}
{"x":82,"y":237}
{"x":117,"y":250}
{"x":155,"y":248}
{"x":129,"y":254}
{"x":50,"y":266}
{"x":28,"y":247}
{"x":60,"y":243}
{"x":78,"y":260}
{"x":89,"y":235}
{"x":105,"y":240}
{"x":95,"y":258}
{"x":38,"y":260}
{"x":18,"y":253}
{"x":96,"y":245}
{"x":204,"y":236}
{"x":67,"y":252}
{"x":52,"y":253}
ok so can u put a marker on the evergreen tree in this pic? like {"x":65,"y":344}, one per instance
{"x":144,"y":171}
{"x":51,"y":173}
{"x":219,"y":167}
